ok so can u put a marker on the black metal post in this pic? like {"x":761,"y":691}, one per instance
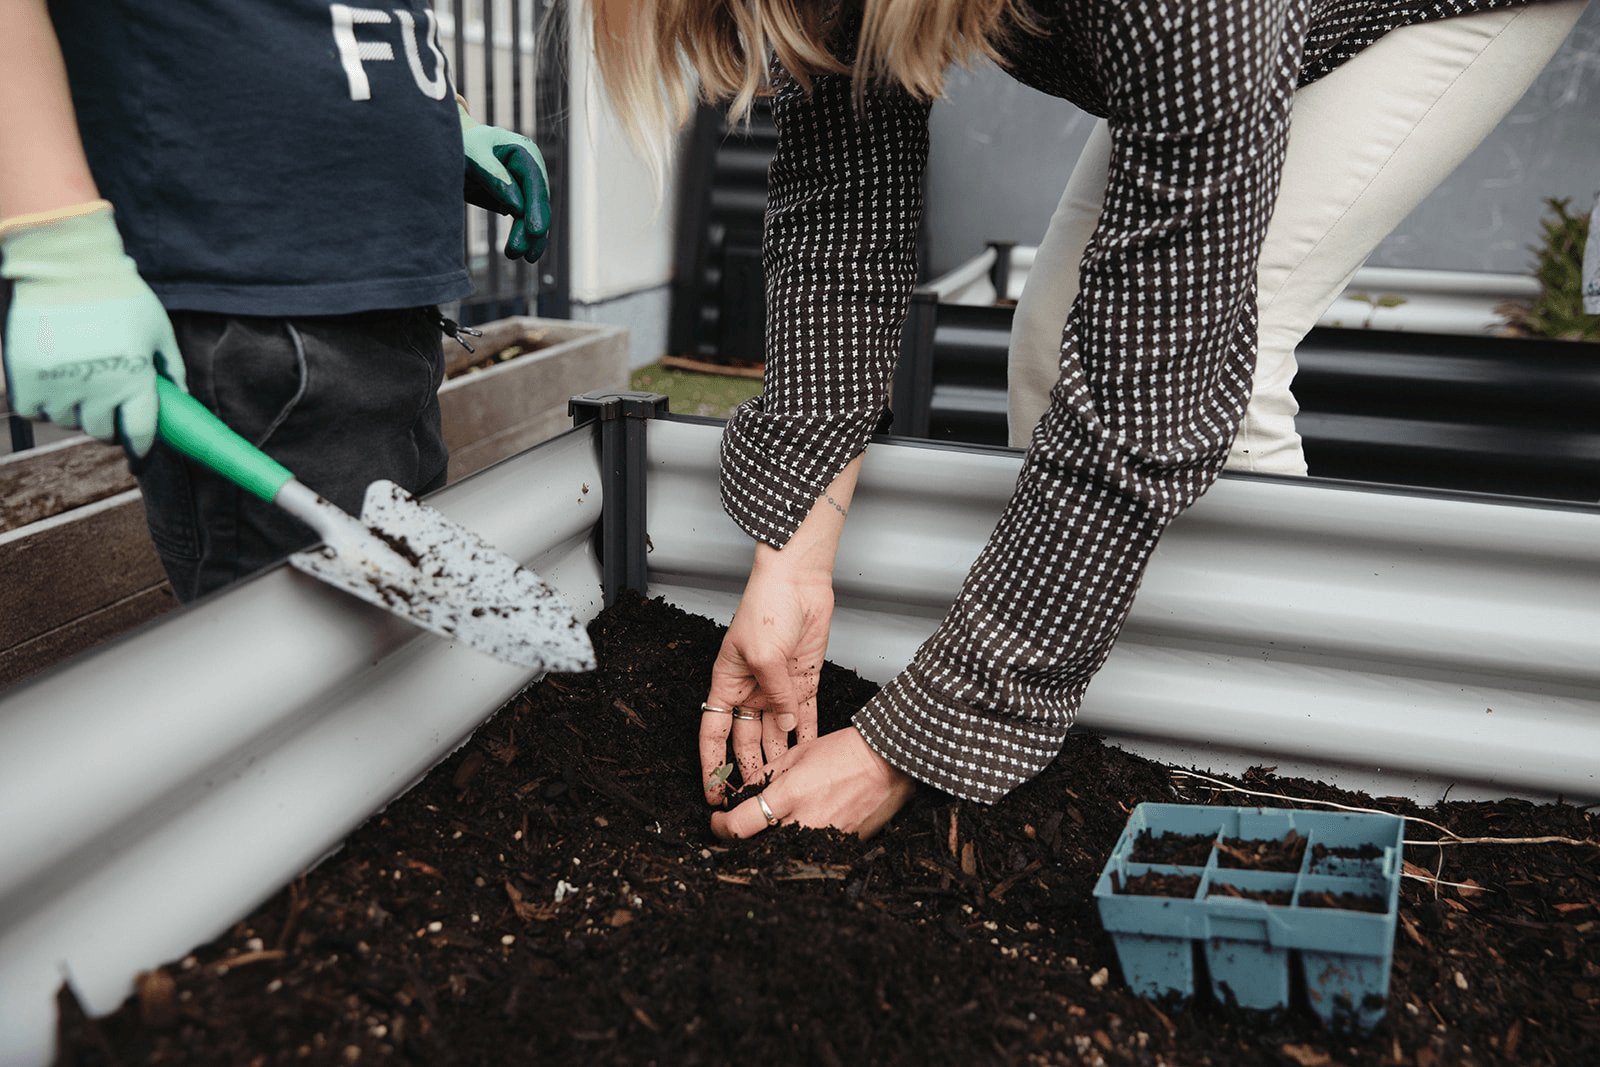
{"x":623,"y":540}
{"x":21,"y":433}
{"x":551,"y":131}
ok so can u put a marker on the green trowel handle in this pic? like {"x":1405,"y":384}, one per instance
{"x":188,"y":426}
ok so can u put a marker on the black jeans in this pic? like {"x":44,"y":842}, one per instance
{"x":340,"y":401}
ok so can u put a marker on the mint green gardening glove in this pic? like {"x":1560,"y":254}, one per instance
{"x":83,"y":336}
{"x":505,"y":173}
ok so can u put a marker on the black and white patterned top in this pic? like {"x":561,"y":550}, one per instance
{"x":1157,"y":353}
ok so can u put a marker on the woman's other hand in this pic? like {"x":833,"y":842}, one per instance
{"x":836,"y":780}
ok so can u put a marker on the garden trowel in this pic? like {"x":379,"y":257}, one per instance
{"x":400,"y":554}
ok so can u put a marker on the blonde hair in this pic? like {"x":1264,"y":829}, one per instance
{"x":657,"y":57}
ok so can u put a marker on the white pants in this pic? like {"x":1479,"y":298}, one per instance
{"x":1366,"y":144}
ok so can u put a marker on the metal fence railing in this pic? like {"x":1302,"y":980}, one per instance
{"x":509,"y":60}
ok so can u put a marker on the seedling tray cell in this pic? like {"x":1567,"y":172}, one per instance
{"x":1250,"y":945}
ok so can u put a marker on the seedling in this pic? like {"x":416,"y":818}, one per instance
{"x":719,"y":776}
{"x":1376,"y":302}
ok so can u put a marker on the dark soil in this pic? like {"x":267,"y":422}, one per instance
{"x":552,"y":894}
{"x":1281,"y":855}
{"x":1276,"y":897}
{"x":1343,"y":901}
{"x":1156,"y":884}
{"x":1173,"y":850}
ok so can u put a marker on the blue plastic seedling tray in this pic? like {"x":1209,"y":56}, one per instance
{"x":1249,"y":944}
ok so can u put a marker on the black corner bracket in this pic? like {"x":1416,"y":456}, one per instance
{"x":620,"y":439}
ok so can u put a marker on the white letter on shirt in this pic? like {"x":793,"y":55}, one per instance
{"x":436,"y":87}
{"x":352,"y":51}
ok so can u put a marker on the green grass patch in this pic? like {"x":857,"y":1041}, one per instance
{"x":692,"y":393}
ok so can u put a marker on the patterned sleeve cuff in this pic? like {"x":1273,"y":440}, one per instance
{"x":774,"y":467}
{"x":976,"y":755}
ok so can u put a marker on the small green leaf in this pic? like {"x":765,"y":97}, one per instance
{"x":719,"y":776}
{"x":1390,"y":301}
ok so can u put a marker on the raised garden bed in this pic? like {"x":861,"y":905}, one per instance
{"x":551,"y":894}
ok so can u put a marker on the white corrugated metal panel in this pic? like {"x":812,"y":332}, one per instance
{"x":1395,"y":641}
{"x":155,"y":790}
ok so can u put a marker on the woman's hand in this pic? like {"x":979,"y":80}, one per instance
{"x":764,"y":682}
{"x":836,"y":780}
{"x":767,"y":669}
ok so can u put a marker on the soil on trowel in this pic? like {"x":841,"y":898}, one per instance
{"x":551,"y":894}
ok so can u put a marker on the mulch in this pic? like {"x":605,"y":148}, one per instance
{"x":552,"y":894}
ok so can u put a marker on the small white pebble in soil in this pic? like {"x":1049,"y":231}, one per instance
{"x":517,"y":836}
{"x":455,"y":836}
{"x":509,"y":939}
{"x":1100,"y":978}
{"x":474,"y":916}
{"x":396,"y":878}
{"x":352,"y":1053}
{"x":478,"y":882}
{"x":188,"y":963}
{"x":1413,"y":1009}
{"x":564,"y":889}
{"x":1461,"y":980}
{"x":379,"y":1031}
{"x":254,"y":945}
{"x":274,"y":985}
{"x":435,"y":926}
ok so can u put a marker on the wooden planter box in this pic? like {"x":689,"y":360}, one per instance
{"x":76,"y":563}
{"x":499,"y":410}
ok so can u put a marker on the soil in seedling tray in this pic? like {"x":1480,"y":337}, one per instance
{"x":1156,"y":884}
{"x":551,"y":894}
{"x":1175,"y":850}
{"x":1278,"y":897}
{"x":1343,"y":901}
{"x":1280,"y":855}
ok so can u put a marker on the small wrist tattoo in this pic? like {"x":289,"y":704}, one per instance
{"x":836,"y":505}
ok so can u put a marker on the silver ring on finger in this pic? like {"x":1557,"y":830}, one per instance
{"x":766,"y":812}
{"x":714,"y":710}
{"x":745,"y":714}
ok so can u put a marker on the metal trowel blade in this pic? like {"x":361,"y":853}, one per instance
{"x":414,"y":562}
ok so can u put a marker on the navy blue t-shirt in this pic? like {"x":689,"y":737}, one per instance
{"x":273,"y":157}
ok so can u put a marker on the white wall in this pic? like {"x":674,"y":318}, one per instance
{"x":620,"y":226}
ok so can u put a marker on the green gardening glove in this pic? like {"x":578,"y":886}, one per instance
{"x":505,"y":173}
{"x":83,"y":336}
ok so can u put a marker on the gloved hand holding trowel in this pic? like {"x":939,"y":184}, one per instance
{"x":288,"y":219}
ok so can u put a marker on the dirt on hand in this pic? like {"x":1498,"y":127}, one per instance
{"x":552,"y":894}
